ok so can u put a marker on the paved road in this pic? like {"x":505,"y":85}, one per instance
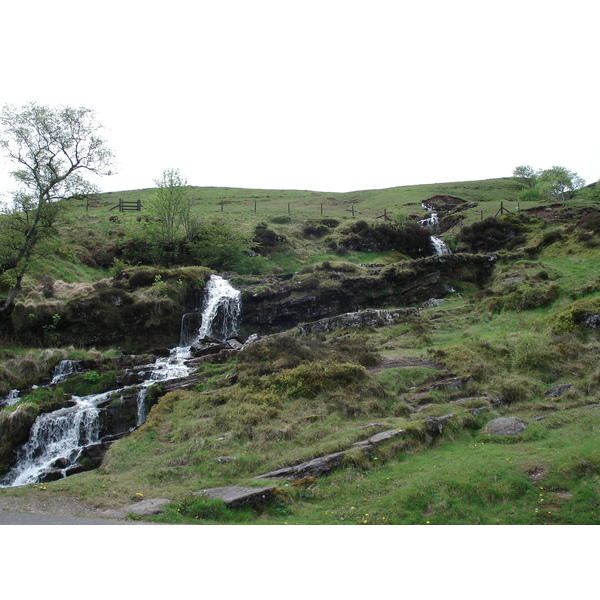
{"x":15,"y":518}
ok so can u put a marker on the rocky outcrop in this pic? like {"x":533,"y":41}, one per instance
{"x":558,"y":390}
{"x":372,"y":318}
{"x":402,"y":284}
{"x":124,"y":309}
{"x":317,"y":467}
{"x":240,"y":497}
{"x":323,"y":465}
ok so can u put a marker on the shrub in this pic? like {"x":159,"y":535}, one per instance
{"x":524,"y":298}
{"x":574,"y":318}
{"x":410,"y":239}
{"x":266,"y":240}
{"x":550,"y":237}
{"x":314,"y":231}
{"x":533,"y":352}
{"x":489,"y":235}
{"x":516,"y":389}
{"x":310,"y":379}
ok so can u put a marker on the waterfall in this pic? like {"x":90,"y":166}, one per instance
{"x":171,"y":367}
{"x":63,"y":369}
{"x":10,"y":398}
{"x":221,"y":311}
{"x":56,"y":440}
{"x":433,"y":224}
{"x":439,"y":247}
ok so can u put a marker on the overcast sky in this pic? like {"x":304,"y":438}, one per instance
{"x":325,"y":95}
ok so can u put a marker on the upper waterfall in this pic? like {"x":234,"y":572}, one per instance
{"x":222,"y":307}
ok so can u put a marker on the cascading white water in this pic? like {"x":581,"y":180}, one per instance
{"x":221,"y":311}
{"x":56,"y":439}
{"x":431,"y":223}
{"x":438,"y":246}
{"x":63,"y":369}
{"x":10,"y":398}
{"x":171,"y":367}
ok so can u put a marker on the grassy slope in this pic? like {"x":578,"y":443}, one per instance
{"x":548,"y":474}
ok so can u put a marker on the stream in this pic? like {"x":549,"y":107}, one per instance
{"x":57,"y":439}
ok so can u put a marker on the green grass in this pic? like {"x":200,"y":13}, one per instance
{"x":308,"y":398}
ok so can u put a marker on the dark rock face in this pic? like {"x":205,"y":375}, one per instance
{"x":114,"y":313}
{"x":372,"y":318}
{"x":435,"y":425}
{"x":119,"y":414}
{"x":402,"y":284}
{"x":204,"y":349}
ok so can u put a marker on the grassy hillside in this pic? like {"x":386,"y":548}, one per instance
{"x":486,"y":352}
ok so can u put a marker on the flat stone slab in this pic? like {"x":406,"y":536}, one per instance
{"x":317,"y":467}
{"x":144,"y":508}
{"x":506,"y":426}
{"x":378,"y":438}
{"x":238,"y":497}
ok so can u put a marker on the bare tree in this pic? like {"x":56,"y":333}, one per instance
{"x":53,"y":150}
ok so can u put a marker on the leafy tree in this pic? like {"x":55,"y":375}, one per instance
{"x":53,"y":149}
{"x":530,"y":195}
{"x":170,"y":212}
{"x":171,"y":206}
{"x":526,"y":173}
{"x":218,"y":245}
{"x":559,"y":183}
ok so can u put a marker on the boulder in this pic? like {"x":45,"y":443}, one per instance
{"x":591,"y":322}
{"x":235,"y":344}
{"x":435,"y":425}
{"x":163,"y":352}
{"x":239,"y":497}
{"x":558,"y":390}
{"x":95,"y":452}
{"x":432,"y":303}
{"x":201,"y":349}
{"x":506,"y":426}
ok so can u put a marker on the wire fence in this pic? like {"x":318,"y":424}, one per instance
{"x":305,"y":208}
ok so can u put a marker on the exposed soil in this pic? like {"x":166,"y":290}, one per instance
{"x":444,"y":204}
{"x":50,"y":505}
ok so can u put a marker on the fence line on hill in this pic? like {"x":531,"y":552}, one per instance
{"x":281,"y":209}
